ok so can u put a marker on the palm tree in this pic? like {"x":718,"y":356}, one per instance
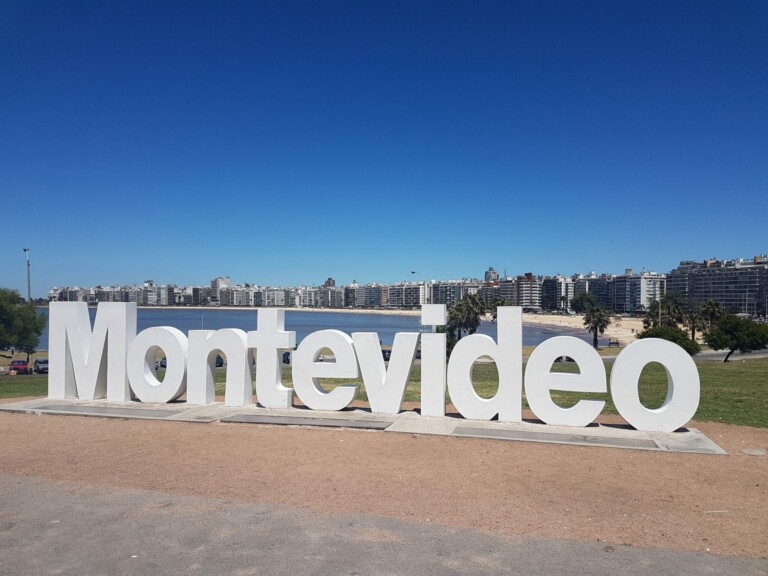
{"x":670,"y":315}
{"x":465,"y":315}
{"x":495,"y":307}
{"x":456,"y":313}
{"x":476,"y":303}
{"x":711,"y":311}
{"x":596,"y":320}
{"x":694,"y":321}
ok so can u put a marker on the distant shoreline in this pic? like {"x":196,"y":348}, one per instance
{"x":622,"y":329}
{"x":287,"y":309}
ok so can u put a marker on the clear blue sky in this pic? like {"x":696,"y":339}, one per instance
{"x":284,"y":142}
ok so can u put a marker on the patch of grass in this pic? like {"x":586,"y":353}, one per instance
{"x":23,"y":385}
{"x":733,"y":393}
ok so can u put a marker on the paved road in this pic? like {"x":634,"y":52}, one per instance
{"x":716,"y":356}
{"x":61,"y":528}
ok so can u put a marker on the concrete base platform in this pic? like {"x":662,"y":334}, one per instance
{"x":598,"y":435}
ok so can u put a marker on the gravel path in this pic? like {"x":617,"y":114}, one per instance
{"x":509,"y":490}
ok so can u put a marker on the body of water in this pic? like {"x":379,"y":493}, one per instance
{"x":304,"y":323}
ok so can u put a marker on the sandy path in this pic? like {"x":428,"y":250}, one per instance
{"x":512,"y":489}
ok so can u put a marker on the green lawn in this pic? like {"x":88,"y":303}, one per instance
{"x":734,"y":393}
{"x":23,"y":385}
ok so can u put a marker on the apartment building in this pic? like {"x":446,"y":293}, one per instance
{"x":216,"y":285}
{"x":414,"y":295}
{"x":452,"y":291}
{"x":507,"y":289}
{"x":739,"y":285}
{"x":331,"y":297}
{"x":491,"y":275}
{"x":634,"y":293}
{"x":527,"y":291}
{"x":557,"y":293}
{"x":489,"y":293}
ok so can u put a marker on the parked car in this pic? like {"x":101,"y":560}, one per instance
{"x":219,"y":361}
{"x":387,"y":354}
{"x":41,"y":366}
{"x":286,"y":357}
{"x":163,"y":362}
{"x":19,"y":367}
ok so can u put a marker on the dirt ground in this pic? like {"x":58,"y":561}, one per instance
{"x":513,"y":489}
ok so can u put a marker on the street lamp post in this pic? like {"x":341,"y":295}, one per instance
{"x":29,"y":284}
{"x":659,"y":301}
{"x":29,"y":296}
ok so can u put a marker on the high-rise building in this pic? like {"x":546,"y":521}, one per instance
{"x":491,"y":275}
{"x":557,"y":293}
{"x":507,"y":290}
{"x":634,"y":293}
{"x":739,"y":285}
{"x":527,"y":291}
{"x":489,"y":293}
{"x":216,"y":285}
{"x":414,"y":295}
{"x":452,"y":291}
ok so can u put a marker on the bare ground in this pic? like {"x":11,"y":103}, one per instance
{"x":511,"y":489}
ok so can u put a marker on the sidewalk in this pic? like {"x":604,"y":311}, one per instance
{"x":602,"y":435}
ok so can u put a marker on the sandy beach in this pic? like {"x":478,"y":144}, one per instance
{"x":622,"y":329}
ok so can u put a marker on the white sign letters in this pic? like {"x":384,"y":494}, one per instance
{"x":111,"y":360}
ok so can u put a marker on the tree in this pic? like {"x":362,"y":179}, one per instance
{"x":671,"y":313}
{"x":596,"y":320}
{"x":732,"y":333}
{"x":582,"y":302}
{"x":450,"y":338}
{"x":673,"y":334}
{"x":20,"y":326}
{"x":711,"y":311}
{"x":464,"y":317}
{"x":693,"y":321}
{"x":495,"y":307}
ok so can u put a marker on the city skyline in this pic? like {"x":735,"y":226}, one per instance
{"x":413,"y":278}
{"x":281,"y":143}
{"x":736,"y":284}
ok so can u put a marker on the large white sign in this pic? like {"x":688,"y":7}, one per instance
{"x":109,"y":359}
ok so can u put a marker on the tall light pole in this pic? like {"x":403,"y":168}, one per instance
{"x":659,"y":301}
{"x":29,"y":284}
{"x":29,"y":297}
